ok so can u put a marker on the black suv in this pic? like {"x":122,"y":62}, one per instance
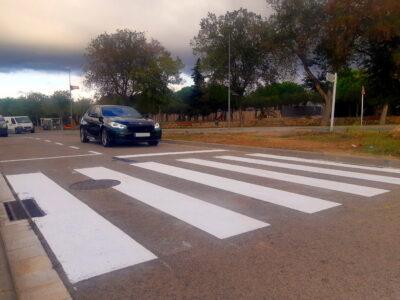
{"x":111,"y":123}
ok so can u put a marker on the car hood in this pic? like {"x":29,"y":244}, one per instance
{"x":130,"y":121}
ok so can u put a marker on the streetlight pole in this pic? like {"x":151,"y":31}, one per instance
{"x":229,"y":80}
{"x":70,"y":94}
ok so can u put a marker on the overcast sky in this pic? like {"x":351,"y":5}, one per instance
{"x":40,"y":39}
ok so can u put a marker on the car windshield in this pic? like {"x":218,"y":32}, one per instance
{"x":22,"y":119}
{"x":120,"y":111}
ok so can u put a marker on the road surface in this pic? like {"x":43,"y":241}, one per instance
{"x":181,"y":221}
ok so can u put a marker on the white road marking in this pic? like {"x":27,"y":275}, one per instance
{"x":171,"y":153}
{"x":95,"y":152}
{"x":73,"y":147}
{"x":291,"y":200}
{"x":321,"y":183}
{"x":326,"y":162}
{"x":215,"y":220}
{"x":356,"y":175}
{"x":47,"y":141}
{"x":85,"y":243}
{"x":60,"y":144}
{"x":45,"y":158}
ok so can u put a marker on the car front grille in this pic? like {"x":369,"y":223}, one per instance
{"x":141,"y":128}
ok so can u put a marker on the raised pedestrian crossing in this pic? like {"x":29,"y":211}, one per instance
{"x":86,"y":244}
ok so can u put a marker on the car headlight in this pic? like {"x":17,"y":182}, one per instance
{"x":157,"y":126}
{"x":117,"y":125}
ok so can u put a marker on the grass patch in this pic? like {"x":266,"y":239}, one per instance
{"x":351,"y":141}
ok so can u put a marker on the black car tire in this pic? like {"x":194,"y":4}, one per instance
{"x":105,"y":138}
{"x":83,"y":135}
{"x":17,"y":131}
{"x":33,"y":130}
{"x":153,"y":143}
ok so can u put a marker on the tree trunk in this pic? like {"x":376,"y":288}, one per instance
{"x":384,"y":112}
{"x":317,"y":84}
{"x":326,"y":114}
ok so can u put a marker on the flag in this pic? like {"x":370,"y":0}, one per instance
{"x":74,"y":87}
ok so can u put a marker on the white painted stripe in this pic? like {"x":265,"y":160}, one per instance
{"x":85,"y":243}
{"x":60,"y":144}
{"x":47,"y":141}
{"x":326,"y":162}
{"x":45,"y":158}
{"x":215,"y":220}
{"x":371,"y":177}
{"x":95,"y":152}
{"x":73,"y":147}
{"x":321,"y":183}
{"x":171,"y":153}
{"x":291,"y":200}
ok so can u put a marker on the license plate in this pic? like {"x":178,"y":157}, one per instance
{"x":142,"y":134}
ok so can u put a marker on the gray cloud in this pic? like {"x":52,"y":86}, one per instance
{"x":52,"y":35}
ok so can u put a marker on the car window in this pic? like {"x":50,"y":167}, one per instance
{"x":13,"y":120}
{"x":89,"y":111}
{"x":97,"y":111}
{"x":120,"y":111}
{"x":23,"y":120}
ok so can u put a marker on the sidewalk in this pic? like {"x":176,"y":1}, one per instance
{"x":26,"y":271}
{"x":6,"y":285}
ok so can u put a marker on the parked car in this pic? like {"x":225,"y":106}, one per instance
{"x":113,"y":123}
{"x":19,"y":124}
{"x":3,"y":127}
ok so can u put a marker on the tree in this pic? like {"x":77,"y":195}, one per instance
{"x":197,"y":97}
{"x":61,"y":104}
{"x":298,"y":27}
{"x":279,"y":94}
{"x":125,"y":65}
{"x":379,"y":45}
{"x":250,"y":62}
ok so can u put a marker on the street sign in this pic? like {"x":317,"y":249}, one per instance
{"x":330,"y":77}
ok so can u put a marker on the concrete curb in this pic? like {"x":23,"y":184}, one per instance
{"x":30,"y":268}
{"x":347,"y":158}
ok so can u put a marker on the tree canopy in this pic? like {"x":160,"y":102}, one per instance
{"x":125,"y":64}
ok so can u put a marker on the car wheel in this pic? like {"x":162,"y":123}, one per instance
{"x":153,"y":143}
{"x":17,"y":131}
{"x":105,"y":138}
{"x":33,"y":130}
{"x":83,"y":134}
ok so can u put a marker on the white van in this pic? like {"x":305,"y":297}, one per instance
{"x":19,"y":124}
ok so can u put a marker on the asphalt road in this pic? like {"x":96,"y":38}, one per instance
{"x":187,"y":221}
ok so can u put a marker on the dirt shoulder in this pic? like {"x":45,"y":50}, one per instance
{"x":351,"y":141}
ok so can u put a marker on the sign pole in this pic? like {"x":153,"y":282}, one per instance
{"x":333,"y":102}
{"x":362,"y":104}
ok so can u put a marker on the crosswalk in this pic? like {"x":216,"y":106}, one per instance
{"x":87,"y":245}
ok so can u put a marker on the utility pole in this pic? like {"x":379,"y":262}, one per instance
{"x":229,"y":79}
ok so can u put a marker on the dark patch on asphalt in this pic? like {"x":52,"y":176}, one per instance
{"x":92,"y":184}
{"x":125,"y":160}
